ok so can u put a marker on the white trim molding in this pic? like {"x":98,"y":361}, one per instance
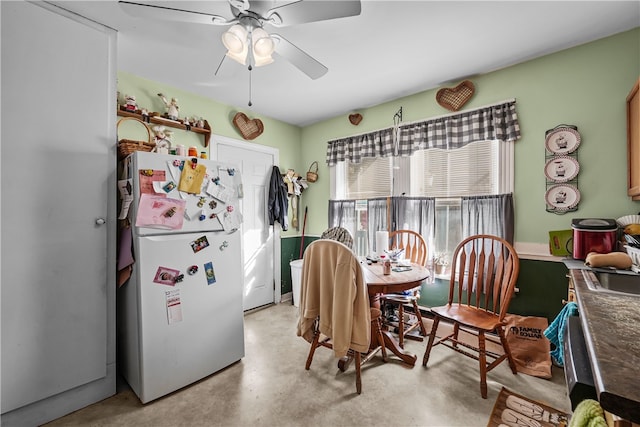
{"x":535,"y":251}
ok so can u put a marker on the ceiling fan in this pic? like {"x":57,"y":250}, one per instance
{"x":246,"y":40}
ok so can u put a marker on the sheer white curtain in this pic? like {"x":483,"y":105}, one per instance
{"x":488,"y":215}
{"x":413,"y":213}
{"x":479,"y":214}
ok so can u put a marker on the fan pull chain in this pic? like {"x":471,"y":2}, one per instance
{"x":250,"y":68}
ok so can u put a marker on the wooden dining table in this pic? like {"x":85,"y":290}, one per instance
{"x":398,"y":281}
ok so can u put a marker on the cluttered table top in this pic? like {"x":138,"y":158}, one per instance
{"x":611,"y":323}
{"x":400,"y":279}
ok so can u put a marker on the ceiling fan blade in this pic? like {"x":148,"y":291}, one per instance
{"x":301,"y":12}
{"x":299,"y":58}
{"x":141,"y":10}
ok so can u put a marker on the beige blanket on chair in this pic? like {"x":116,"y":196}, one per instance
{"x":333,"y":288}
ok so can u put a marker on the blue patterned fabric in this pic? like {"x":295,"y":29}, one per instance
{"x":555,"y":331}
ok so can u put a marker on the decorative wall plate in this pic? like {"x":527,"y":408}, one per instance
{"x":562,"y":140}
{"x":562,"y":197}
{"x":561,"y":168}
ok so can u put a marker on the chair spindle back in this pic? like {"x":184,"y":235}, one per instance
{"x":484,"y":271}
{"x":415,"y":248}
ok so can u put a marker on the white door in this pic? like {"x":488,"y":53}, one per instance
{"x":58,"y":213}
{"x":259,"y":242}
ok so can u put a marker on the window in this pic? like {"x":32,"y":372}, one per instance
{"x":468,"y":171}
{"x":479,"y":168}
{"x":373,"y":177}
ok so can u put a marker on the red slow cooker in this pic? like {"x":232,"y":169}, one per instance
{"x":593,"y":235}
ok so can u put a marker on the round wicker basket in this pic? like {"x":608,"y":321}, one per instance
{"x":128,"y":146}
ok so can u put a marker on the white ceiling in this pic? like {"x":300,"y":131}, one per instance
{"x":392,"y":49}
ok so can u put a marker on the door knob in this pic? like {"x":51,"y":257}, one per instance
{"x":100,"y":221}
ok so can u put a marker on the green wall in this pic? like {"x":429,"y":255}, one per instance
{"x":290,"y":250}
{"x":585,"y":86}
{"x":542,"y":285}
{"x":286,"y":138}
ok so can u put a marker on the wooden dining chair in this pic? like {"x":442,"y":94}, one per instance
{"x":415,"y":249}
{"x":340,"y":234}
{"x":334,"y":306}
{"x":484,"y":271}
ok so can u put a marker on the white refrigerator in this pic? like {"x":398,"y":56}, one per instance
{"x":180,"y":315}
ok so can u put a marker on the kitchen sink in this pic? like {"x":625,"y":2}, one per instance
{"x":615,"y":282}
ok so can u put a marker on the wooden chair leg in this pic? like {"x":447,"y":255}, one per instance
{"x":416,"y":309}
{"x":401,"y":325}
{"x":358,"y":380}
{"x":507,"y":350}
{"x":482,"y":358}
{"x":456,"y":330}
{"x":432,"y":336}
{"x":314,"y":345}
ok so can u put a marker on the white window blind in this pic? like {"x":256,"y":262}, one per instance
{"x":474,"y":170}
{"x":373,"y":177}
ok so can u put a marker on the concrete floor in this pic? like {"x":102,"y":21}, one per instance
{"x":270,"y":387}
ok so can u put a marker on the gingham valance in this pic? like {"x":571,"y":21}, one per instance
{"x":496,"y":122}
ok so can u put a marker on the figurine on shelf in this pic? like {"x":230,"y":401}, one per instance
{"x":201,"y":122}
{"x":168,"y":135}
{"x":145,"y":115}
{"x":172,"y":107}
{"x":130,"y":103}
{"x":187,"y":123}
{"x":163,"y":143}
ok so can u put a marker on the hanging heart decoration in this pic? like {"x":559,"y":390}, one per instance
{"x":454,"y":98}
{"x":248,"y":128}
{"x":355,"y":119}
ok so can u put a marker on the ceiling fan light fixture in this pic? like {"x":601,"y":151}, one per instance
{"x":262,"y":60}
{"x":235,"y":39}
{"x":238,"y":57}
{"x":263,"y":44}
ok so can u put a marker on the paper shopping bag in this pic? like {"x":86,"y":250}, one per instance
{"x":529,"y":347}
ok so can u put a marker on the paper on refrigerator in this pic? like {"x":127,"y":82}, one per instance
{"x":160,"y":212}
{"x":174,"y":306}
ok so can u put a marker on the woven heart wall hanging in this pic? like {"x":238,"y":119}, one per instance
{"x":454,"y":99}
{"x":248,"y":128}
{"x":355,"y":119}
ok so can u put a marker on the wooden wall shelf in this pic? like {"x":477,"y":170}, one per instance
{"x":206,"y":131}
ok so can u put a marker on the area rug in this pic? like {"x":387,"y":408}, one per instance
{"x":514,"y":410}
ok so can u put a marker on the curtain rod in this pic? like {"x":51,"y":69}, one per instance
{"x":429,"y":118}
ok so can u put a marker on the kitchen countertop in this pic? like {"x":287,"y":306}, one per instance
{"x":611,"y":324}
